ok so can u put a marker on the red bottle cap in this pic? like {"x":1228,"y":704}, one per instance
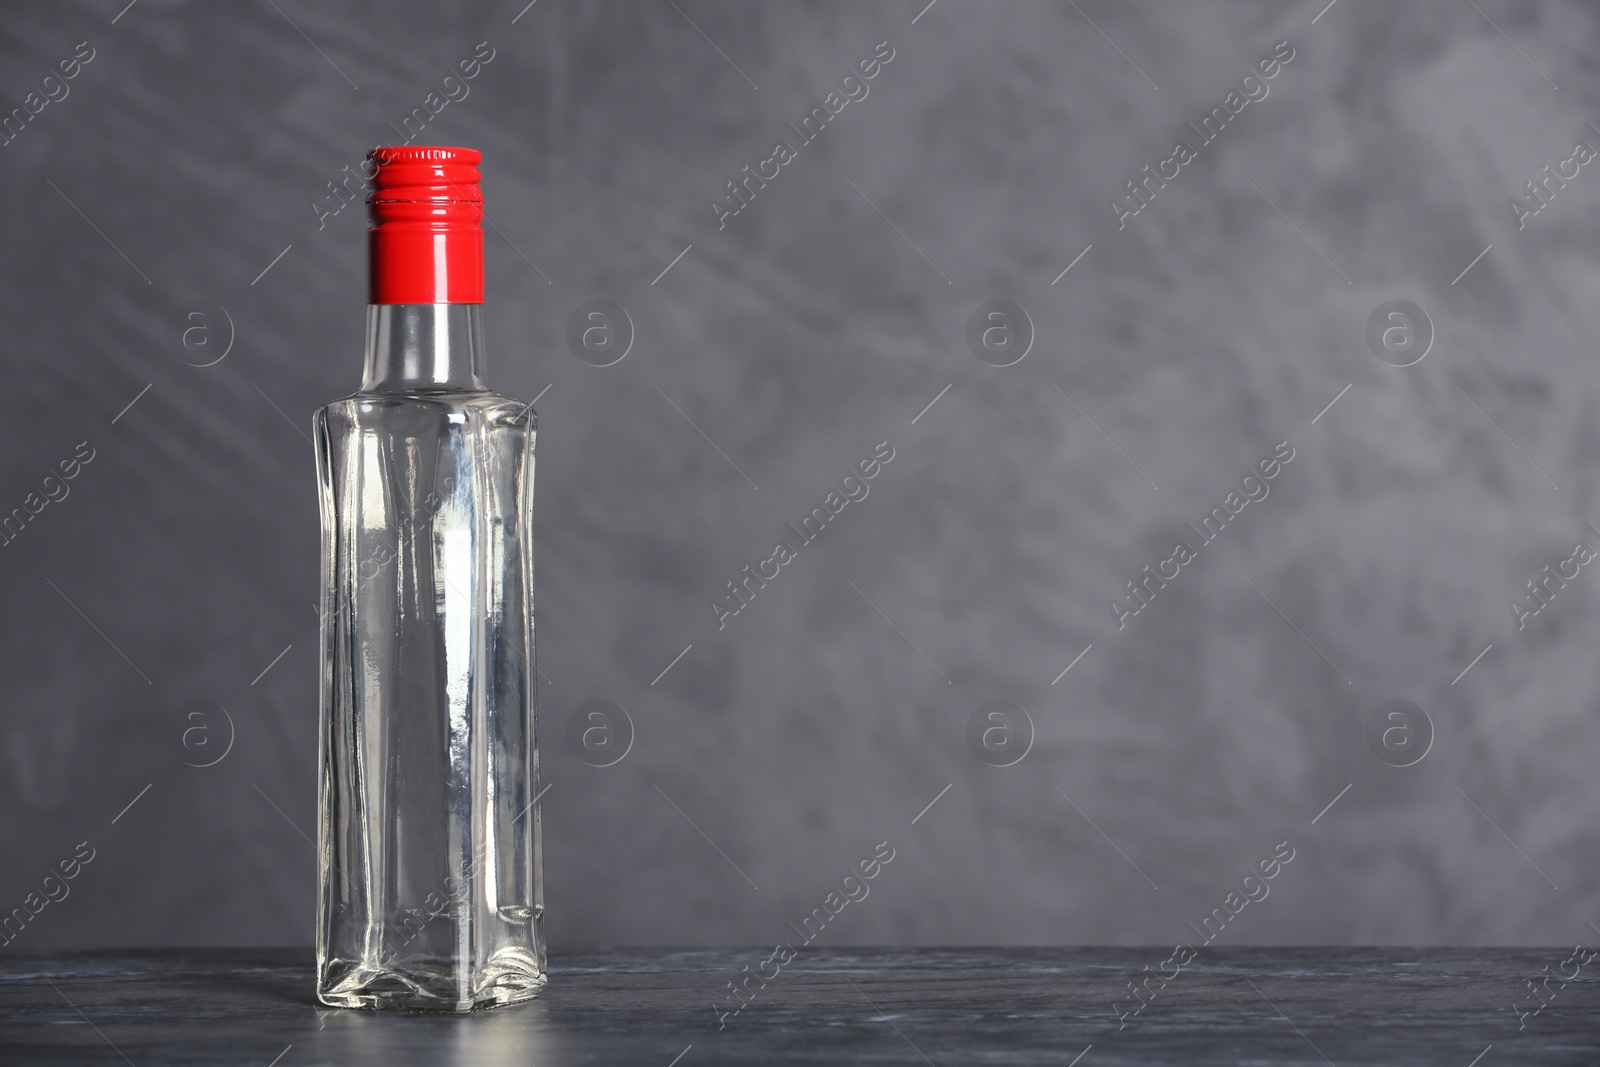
{"x":425,"y":245}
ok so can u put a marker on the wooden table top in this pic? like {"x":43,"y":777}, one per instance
{"x":948,"y":1006}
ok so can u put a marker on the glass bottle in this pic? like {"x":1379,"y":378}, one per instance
{"x":431,"y":875}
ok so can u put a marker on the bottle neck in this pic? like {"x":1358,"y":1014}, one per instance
{"x":424,"y":347}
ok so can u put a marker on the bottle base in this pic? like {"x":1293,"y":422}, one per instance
{"x":354,"y":984}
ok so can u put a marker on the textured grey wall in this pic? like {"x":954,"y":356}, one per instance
{"x":1177,"y":352}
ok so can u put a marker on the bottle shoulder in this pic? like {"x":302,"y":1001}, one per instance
{"x":447,"y":405}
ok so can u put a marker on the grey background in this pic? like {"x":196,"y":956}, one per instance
{"x":1220,"y":722}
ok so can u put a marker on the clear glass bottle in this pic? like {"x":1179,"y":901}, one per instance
{"x":432,"y":893}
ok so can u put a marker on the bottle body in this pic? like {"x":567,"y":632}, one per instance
{"x":430,"y":849}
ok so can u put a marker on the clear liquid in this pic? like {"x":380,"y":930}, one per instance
{"x":431,"y":870}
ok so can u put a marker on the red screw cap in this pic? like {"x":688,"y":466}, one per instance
{"x":425,"y":245}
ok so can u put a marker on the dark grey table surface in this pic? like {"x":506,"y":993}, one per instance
{"x":878,"y":1006}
